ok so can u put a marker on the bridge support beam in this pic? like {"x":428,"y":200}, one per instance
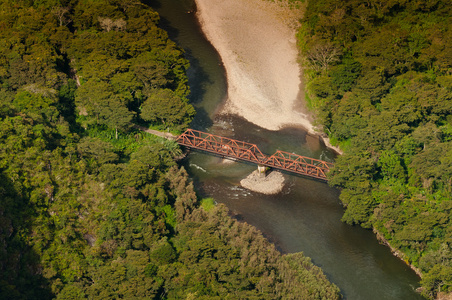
{"x":262,"y":170}
{"x":234,"y":149}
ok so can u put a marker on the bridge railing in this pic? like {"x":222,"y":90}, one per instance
{"x":250,"y":152}
{"x":221,"y":145}
{"x":299,"y":164}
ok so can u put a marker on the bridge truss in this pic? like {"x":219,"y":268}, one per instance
{"x":231,"y":148}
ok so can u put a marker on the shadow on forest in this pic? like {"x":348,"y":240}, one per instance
{"x":20,"y":276}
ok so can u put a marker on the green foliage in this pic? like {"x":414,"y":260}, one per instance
{"x":166,"y":107}
{"x":92,"y":208}
{"x":132,"y":228}
{"x":437,"y":279}
{"x":390,"y":166}
{"x":97,"y":151}
{"x":41,"y":107}
{"x":299,"y":268}
{"x":345,"y":75}
{"x":207,"y":204}
{"x":163,"y":254}
{"x":387,"y":96}
{"x":136,"y":66}
{"x":250,"y":267}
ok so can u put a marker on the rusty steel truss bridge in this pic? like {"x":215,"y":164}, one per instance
{"x":235,"y":149}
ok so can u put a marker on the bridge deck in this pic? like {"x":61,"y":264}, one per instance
{"x":250,"y":152}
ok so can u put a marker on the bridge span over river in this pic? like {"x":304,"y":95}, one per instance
{"x":235,"y":149}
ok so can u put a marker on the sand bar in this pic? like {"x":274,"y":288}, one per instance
{"x":272,"y":183}
{"x":256,"y":41}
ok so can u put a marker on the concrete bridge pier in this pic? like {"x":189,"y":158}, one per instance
{"x":262,"y":170}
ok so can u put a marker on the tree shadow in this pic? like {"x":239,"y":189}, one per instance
{"x":202,"y":120}
{"x":164,"y":23}
{"x":156,"y":4}
{"x":198,"y":78}
{"x":20,"y":270}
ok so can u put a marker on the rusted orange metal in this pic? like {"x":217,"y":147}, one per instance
{"x":299,"y":164}
{"x":250,"y":152}
{"x":221,"y":145}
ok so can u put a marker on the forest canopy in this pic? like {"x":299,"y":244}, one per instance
{"x":380,"y":80}
{"x":105,"y":58}
{"x":90,"y":207}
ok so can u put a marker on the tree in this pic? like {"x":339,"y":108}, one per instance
{"x":90,"y":96}
{"x":322,"y":56}
{"x":84,"y":217}
{"x":166,"y":107}
{"x":108,"y":24}
{"x":60,"y":12}
{"x":115,"y":115}
{"x":389,"y":97}
{"x":40,"y":103}
{"x":93,"y":148}
{"x":390,"y":166}
{"x":345,"y":74}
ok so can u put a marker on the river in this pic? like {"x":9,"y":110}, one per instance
{"x":305,"y":217}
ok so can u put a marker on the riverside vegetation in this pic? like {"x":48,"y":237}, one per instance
{"x":92,"y":208}
{"x":380,"y":81}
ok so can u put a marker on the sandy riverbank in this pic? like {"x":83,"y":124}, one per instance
{"x":256,"y":41}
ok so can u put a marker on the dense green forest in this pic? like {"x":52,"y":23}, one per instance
{"x":380,"y":81}
{"x":91,"y":208}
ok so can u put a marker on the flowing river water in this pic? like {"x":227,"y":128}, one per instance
{"x":305,"y":217}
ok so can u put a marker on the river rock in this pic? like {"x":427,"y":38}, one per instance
{"x":271,"y":184}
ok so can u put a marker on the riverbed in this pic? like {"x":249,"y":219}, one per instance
{"x":305,"y":216}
